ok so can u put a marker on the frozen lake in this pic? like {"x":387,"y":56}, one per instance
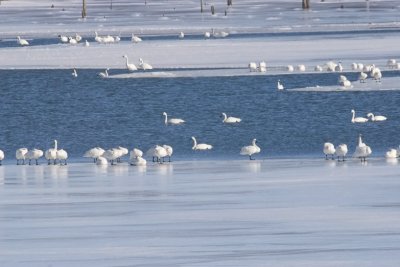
{"x":201,"y":213}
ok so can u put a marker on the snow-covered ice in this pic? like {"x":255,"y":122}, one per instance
{"x":307,"y":212}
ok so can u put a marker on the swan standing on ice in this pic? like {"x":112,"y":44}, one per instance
{"x":22,"y":42}
{"x":181,"y":35}
{"x":129,"y":66}
{"x":20,"y":155}
{"x":341,"y":151}
{"x":279,"y":85}
{"x":173,"y":121}
{"x":74,"y":73}
{"x":111,"y":155}
{"x":230,"y":120}
{"x":135,"y":39}
{"x":391,"y":63}
{"x":362,"y":77}
{"x":329,"y":149}
{"x":97,"y":38}
{"x":159,"y":153}
{"x":104,"y":74}
{"x":1,"y":157}
{"x":200,"y":146}
{"x":122,"y":152}
{"x":87,"y":43}
{"x":72,"y":41}
{"x":207,"y":35}
{"x":144,"y":66}
{"x":354,"y":66}
{"x":318,"y":68}
{"x":357,"y":119}
{"x":362,"y":150}
{"x":262,"y":66}
{"x":34,"y":154}
{"x":339,"y":67}
{"x":169,"y":150}
{"x":78,"y":38}
{"x":94,"y":153}
{"x":251,"y":149}
{"x":51,"y":154}
{"x":62,"y":155}
{"x":301,"y":68}
{"x":253,"y":67}
{"x":376,"y":118}
{"x":290,"y":68}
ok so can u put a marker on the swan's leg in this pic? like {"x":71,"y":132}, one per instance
{"x":17,"y":161}
{"x":94,"y":160}
{"x":29,"y":162}
{"x":1,"y":162}
{"x":55,"y":162}
{"x":37,"y":163}
{"x":65,"y":162}
{"x":333,"y":157}
{"x":326,"y":156}
{"x":48,"y":162}
{"x":169,"y":158}
{"x":23,"y":162}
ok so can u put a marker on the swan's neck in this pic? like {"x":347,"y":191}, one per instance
{"x":372,"y":116}
{"x":127,"y":62}
{"x":194,"y":142}
{"x":55,"y":144}
{"x":223,"y":114}
{"x":359,"y":141}
{"x":107,"y":73}
{"x":254,"y":143}
{"x":353,"y":115}
{"x":166,"y":118}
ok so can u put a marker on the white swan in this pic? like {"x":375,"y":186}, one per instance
{"x":362,"y":150}
{"x":78,"y":38}
{"x":129,"y":66}
{"x":144,"y":66}
{"x":318,"y":68}
{"x":391,"y":154}
{"x":94,"y":153}
{"x":173,"y":121}
{"x":329,"y":149}
{"x":354,"y":66}
{"x":391,"y":63}
{"x":34,"y":154}
{"x":112,"y":155}
{"x":1,"y":157}
{"x":376,"y":74}
{"x":357,"y":119}
{"x":62,"y":155}
{"x":200,"y":146}
{"x":51,"y":154}
{"x":360,"y":66}
{"x":159,"y":153}
{"x":72,"y":41}
{"x":341,"y":151}
{"x":63,"y":38}
{"x":290,"y":68}
{"x":181,"y":35}
{"x":169,"y":150}
{"x":362,"y":77}
{"x":251,"y":149}
{"x":138,"y":161}
{"x":301,"y":67}
{"x":101,"y":161}
{"x":330,"y":66}
{"x":339,"y":67}
{"x":22,"y":42}
{"x":87,"y":43}
{"x":104,"y":74}
{"x":230,"y":119}
{"x":97,"y":38}
{"x":207,"y":35}
{"x":279,"y":85}
{"x":253,"y":67}
{"x":122,"y":151}
{"x":136,"y":39}
{"x":74,"y":73}
{"x":20,"y":155}
{"x":135,"y":153}
{"x":262,"y":66}
{"x":376,"y":118}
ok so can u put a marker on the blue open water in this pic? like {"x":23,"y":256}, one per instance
{"x":38,"y":106}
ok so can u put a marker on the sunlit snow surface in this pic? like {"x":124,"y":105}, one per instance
{"x":308,"y":212}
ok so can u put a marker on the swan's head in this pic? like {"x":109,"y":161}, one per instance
{"x":141,"y":60}
{"x":164,"y":113}
{"x":352,"y":111}
{"x":193,"y":138}
{"x":223,"y":114}
{"x":124,"y":56}
{"x":370,"y":114}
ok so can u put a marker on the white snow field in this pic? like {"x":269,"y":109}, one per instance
{"x":305,"y":212}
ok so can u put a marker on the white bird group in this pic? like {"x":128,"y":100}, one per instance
{"x":362,"y":151}
{"x":52,"y":154}
{"x":261,"y":67}
{"x":355,"y":119}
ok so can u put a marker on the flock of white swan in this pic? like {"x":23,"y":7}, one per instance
{"x":103,"y":157}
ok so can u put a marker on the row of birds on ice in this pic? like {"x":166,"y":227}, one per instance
{"x":159,"y":153}
{"x":108,"y":39}
{"x":362,"y":151}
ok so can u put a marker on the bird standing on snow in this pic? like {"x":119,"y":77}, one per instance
{"x":251,"y":149}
